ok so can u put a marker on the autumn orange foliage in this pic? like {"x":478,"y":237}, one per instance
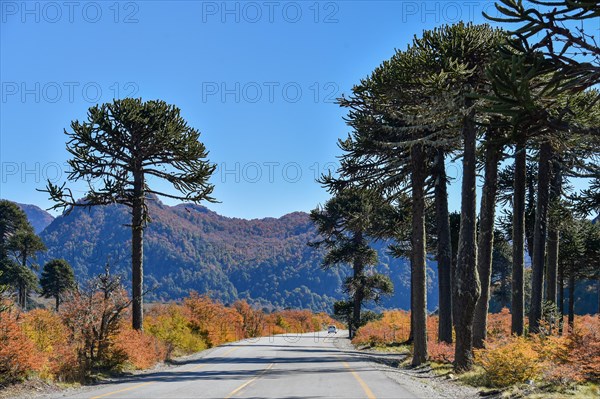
{"x":18,"y":354}
{"x":507,"y":359}
{"x":584,"y":347}
{"x":93,"y":331}
{"x":440,"y":352}
{"x":139,"y":349}
{"x":214,"y":322}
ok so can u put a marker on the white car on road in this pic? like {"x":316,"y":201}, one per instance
{"x":332,"y":330}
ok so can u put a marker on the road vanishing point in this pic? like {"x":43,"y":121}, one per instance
{"x":282,"y":366}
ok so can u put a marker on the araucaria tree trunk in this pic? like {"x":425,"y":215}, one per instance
{"x":553,"y":232}
{"x":598,"y":295}
{"x":486,"y":242}
{"x":358,"y":267}
{"x":571,"y":298}
{"x":518,"y":238}
{"x":137,"y":252}
{"x":539,"y":238}
{"x":444,"y":249}
{"x":466,"y":281}
{"x":418,"y":257}
{"x":561,"y":300}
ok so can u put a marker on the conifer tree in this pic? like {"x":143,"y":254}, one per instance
{"x":57,"y":278}
{"x":120,"y":146}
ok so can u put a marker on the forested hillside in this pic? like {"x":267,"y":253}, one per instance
{"x":189,"y":247}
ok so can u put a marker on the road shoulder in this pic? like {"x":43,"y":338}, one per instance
{"x":421,"y":381}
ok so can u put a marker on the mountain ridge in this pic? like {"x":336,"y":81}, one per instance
{"x":39,"y":218}
{"x":190,"y":247}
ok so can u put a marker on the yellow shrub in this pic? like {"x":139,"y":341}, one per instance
{"x":515,"y":361}
{"x":169,"y":324}
{"x":394,"y":326}
{"x":46,"y":330}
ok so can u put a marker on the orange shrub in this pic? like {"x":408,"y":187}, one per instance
{"x":296,"y":321}
{"x":432,"y":328}
{"x":93,"y":318}
{"x":252,"y":320}
{"x":64,"y":363}
{"x":322,"y":320}
{"x":216,"y":323}
{"x":275,"y":324}
{"x":440,"y":352}
{"x":584,"y":347}
{"x":498,"y":326}
{"x":18,"y":354}
{"x":141,"y":350}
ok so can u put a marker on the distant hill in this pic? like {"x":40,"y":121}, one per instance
{"x":39,"y":218}
{"x":188,"y":247}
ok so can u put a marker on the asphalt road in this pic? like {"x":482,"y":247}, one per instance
{"x":293,"y":366}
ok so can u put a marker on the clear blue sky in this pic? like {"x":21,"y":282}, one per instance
{"x":256,"y":78}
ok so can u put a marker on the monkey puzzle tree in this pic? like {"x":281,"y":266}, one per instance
{"x":559,"y":31}
{"x":546,"y":113}
{"x":385,"y":152}
{"x":576,"y":157}
{"x":20,"y":278}
{"x":579,"y":256}
{"x":501,"y":270}
{"x":25,"y":244}
{"x":463,"y":52}
{"x":57,"y":278}
{"x":493,"y":151}
{"x":12,"y":220}
{"x":18,"y":243}
{"x":554,"y":34}
{"x":414,"y":105}
{"x":117,"y":149}
{"x":345,"y":223}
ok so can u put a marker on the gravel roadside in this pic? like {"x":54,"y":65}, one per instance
{"x":422,"y":381}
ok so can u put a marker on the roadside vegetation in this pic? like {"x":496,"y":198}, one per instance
{"x":565,"y":362}
{"x":91,"y":334}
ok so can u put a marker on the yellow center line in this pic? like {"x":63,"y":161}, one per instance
{"x":231,"y":350}
{"x":122,"y":390}
{"x":363,"y":384}
{"x":244,"y":385}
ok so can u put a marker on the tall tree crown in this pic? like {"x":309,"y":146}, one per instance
{"x":129,"y":137}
